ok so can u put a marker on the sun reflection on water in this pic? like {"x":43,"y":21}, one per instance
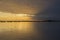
{"x":18,"y":29}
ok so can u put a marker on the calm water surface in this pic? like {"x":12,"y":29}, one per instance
{"x":29,"y":30}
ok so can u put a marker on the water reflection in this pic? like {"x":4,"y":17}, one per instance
{"x":32,"y":31}
{"x":17,"y":30}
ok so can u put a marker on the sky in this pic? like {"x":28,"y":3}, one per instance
{"x":45,"y":9}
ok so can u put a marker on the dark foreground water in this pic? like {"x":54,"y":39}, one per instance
{"x":29,"y":30}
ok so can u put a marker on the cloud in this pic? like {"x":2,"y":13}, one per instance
{"x":23,"y":6}
{"x":31,"y":7}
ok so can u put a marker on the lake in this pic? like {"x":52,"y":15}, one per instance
{"x":29,"y":30}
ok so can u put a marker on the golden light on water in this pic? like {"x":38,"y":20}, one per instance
{"x":25,"y":27}
{"x":21,"y":29}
